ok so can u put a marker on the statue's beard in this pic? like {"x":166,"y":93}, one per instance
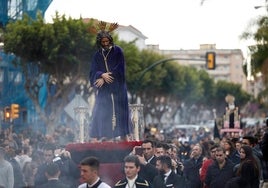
{"x":105,"y":48}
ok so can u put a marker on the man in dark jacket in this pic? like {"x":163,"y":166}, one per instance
{"x":192,"y":167}
{"x":147,"y":160}
{"x":69,"y":170}
{"x":52,"y":174}
{"x":18,"y":175}
{"x":220,"y":171}
{"x":131,"y":169}
{"x":167,"y":177}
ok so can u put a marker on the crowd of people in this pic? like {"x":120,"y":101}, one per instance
{"x":31,"y":159}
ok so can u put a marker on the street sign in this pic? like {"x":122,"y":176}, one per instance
{"x":77,"y":101}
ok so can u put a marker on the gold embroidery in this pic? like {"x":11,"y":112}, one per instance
{"x":119,"y":183}
{"x":145,"y":183}
{"x":112,"y":96}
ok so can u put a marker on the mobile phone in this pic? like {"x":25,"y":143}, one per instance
{"x":138,"y":151}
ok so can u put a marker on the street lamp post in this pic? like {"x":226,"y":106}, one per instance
{"x":257,"y":7}
{"x":261,"y":6}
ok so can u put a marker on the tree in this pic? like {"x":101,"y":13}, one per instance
{"x":165,"y":86}
{"x":209,"y":88}
{"x":51,"y":56}
{"x":149,"y":85}
{"x":259,"y":56}
{"x":193,"y":90}
{"x":132,"y":58}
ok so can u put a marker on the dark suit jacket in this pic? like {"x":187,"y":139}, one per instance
{"x":148,"y":172}
{"x":191,"y":172}
{"x":140,"y":183}
{"x":153,"y":160}
{"x":54,"y":184}
{"x":69,"y":173}
{"x":217,"y":177}
{"x":173,"y":181}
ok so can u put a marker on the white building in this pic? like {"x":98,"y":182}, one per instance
{"x":130,"y":33}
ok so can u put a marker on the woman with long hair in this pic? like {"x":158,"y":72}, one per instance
{"x":247,"y":173}
{"x":231,"y":152}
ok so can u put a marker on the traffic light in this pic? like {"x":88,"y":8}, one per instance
{"x":211,"y":60}
{"x":7,"y":113}
{"x":15,"y":110}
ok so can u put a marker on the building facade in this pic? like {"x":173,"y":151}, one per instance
{"x":129,"y":34}
{"x":229,"y":63}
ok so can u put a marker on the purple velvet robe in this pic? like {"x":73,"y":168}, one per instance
{"x":101,"y":125}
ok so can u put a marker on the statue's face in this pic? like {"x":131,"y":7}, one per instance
{"x":231,"y":106}
{"x":105,"y":43}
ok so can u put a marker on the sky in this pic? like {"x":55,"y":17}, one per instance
{"x":172,"y":24}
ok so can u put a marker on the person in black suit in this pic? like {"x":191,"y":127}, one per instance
{"x":52,"y":174}
{"x":167,"y":177}
{"x":220,"y":171}
{"x":69,"y":169}
{"x":147,"y":160}
{"x":192,"y":167}
{"x":148,"y":152}
{"x":132,"y":179}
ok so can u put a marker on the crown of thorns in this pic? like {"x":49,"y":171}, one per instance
{"x":103,"y":27}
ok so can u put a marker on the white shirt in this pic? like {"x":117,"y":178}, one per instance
{"x":102,"y":185}
{"x":131,"y":183}
{"x":166,"y":175}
